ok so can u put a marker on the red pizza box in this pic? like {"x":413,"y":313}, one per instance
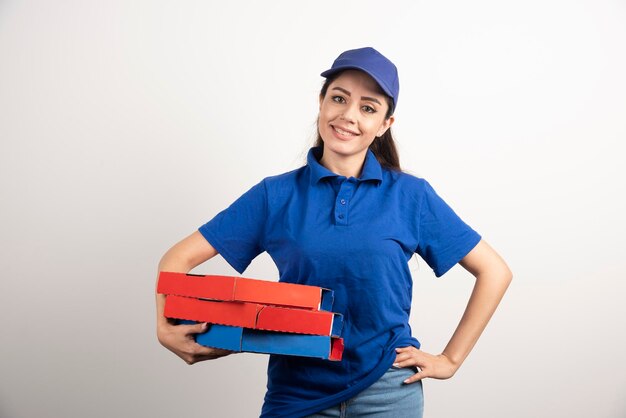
{"x":226,"y":313}
{"x":228,"y":288}
{"x":254,"y":316}
{"x":274,"y":318}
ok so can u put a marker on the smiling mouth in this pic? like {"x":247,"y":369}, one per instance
{"x":343,"y":132}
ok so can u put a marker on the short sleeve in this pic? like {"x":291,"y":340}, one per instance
{"x":444,"y":238}
{"x":237,"y":231}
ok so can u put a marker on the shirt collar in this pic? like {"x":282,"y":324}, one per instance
{"x":371,"y":169}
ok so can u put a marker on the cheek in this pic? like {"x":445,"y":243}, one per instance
{"x":322,"y":125}
{"x":321,"y":121}
{"x":324,"y":118}
{"x":372,"y":127}
{"x":379,"y":125}
{"x":325,"y":111}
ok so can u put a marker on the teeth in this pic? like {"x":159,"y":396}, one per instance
{"x":342,"y":132}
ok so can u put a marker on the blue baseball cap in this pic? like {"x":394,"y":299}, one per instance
{"x":372,"y":62}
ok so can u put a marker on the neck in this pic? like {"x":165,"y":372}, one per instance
{"x":347,"y":166}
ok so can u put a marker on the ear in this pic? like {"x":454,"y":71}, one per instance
{"x":321,"y":100}
{"x":386,"y":125}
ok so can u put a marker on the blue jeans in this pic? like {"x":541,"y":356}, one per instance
{"x":387,"y":398}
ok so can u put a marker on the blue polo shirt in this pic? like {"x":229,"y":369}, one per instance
{"x":352,"y":235}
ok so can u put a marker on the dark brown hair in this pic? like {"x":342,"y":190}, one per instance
{"x":383,"y":147}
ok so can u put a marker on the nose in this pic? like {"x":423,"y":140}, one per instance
{"x":350,"y":112}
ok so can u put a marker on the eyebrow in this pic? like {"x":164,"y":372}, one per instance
{"x":371,"y":99}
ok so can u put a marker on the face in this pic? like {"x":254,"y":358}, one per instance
{"x":351,"y":115}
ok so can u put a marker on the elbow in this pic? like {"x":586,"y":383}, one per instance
{"x":174,"y":262}
{"x":499,"y":274}
{"x":502,"y":271}
{"x":507,"y":275}
{"x":164,"y":261}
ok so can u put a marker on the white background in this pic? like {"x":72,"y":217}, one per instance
{"x":126,"y":125}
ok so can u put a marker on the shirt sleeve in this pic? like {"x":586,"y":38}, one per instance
{"x":237,"y":231}
{"x":444,"y":238}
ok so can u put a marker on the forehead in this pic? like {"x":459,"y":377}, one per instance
{"x":353,"y":80}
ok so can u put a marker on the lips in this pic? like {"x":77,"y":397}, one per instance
{"x":344,"y":132}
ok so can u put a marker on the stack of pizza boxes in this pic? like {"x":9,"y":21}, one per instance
{"x":255,"y":315}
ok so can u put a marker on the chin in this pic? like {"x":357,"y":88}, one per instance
{"x":342,"y":149}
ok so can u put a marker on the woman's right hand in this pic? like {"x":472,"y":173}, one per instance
{"x":179,"y":339}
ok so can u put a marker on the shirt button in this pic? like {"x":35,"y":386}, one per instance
{"x":343,"y":201}
{"x":340,"y":216}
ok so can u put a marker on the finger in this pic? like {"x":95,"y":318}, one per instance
{"x":416,"y":357}
{"x":407,"y":363}
{"x":196,"y":359}
{"x":216,"y":352}
{"x":202,"y":350}
{"x":205,"y":353}
{"x":196,"y":328}
{"x":399,"y":360}
{"x":220,"y":352}
{"x":404,"y":356}
{"x":407,"y":351}
{"x":417,"y":376}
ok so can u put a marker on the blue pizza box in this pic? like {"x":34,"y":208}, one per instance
{"x":270,"y":342}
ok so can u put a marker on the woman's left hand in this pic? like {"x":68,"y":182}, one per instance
{"x":436,"y":367}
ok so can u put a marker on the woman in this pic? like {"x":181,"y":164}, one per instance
{"x":349,"y":220}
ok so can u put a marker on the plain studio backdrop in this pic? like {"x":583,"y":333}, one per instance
{"x":124,"y":126}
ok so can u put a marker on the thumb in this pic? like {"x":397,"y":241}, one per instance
{"x":198,"y":328}
{"x":417,"y":376}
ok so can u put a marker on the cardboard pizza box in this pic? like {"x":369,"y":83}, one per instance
{"x":268,"y":342}
{"x":254,"y":316}
{"x":229,"y":288}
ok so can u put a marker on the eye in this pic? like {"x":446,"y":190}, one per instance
{"x":338,"y":99}
{"x":368,"y":109}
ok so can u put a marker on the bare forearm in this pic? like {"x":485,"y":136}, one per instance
{"x":175,"y":265}
{"x":181,"y":258}
{"x":487,"y":293}
{"x":180,"y":339}
{"x":492,"y":279}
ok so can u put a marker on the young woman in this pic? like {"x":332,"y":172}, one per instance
{"x":349,"y":220}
